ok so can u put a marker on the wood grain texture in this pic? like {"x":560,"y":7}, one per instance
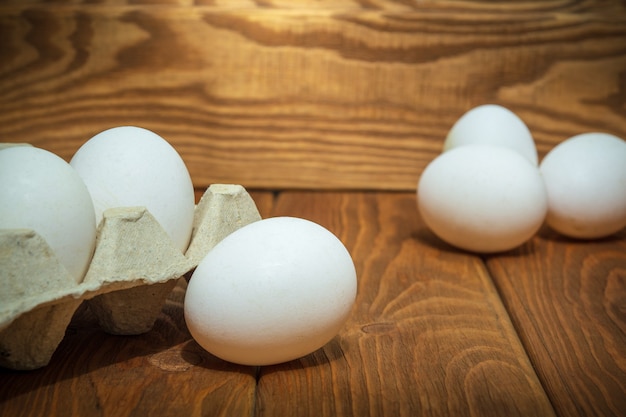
{"x":277,"y":94}
{"x":160,"y":373}
{"x":568,"y":302}
{"x":428,"y":335}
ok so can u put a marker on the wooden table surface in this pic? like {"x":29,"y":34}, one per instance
{"x":538,"y":331}
{"x":346,"y":101}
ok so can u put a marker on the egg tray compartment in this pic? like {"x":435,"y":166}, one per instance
{"x":134,"y":267}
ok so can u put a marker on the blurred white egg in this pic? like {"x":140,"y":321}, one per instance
{"x":42,"y":192}
{"x":491,"y":124}
{"x":482,"y":198}
{"x":585,"y":178}
{"x":130,"y":166}
{"x":272,"y":291}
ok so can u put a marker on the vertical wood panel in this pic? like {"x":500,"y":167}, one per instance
{"x":308,"y":95}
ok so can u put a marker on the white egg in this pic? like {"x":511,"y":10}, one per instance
{"x":482,"y":198}
{"x":42,"y":192}
{"x":131,"y":166}
{"x":585,"y":177}
{"x":272,"y":291}
{"x":491,"y":124}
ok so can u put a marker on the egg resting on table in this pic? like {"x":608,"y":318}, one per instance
{"x":482,"y":198}
{"x":585,"y":179}
{"x":272,"y":291}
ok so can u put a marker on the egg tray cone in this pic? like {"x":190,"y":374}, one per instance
{"x":134,"y":267}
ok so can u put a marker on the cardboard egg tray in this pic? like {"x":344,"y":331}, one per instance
{"x":134,"y":267}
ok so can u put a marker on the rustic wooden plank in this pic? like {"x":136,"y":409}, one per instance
{"x":160,"y":373}
{"x":567,"y":300}
{"x":428,"y":335}
{"x":359,"y":95}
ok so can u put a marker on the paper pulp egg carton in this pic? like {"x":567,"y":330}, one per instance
{"x":134,"y":267}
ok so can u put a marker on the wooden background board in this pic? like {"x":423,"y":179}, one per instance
{"x":307,"y":94}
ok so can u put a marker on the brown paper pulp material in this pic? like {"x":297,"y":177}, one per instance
{"x":134,"y":267}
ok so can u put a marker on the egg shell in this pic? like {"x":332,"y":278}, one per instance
{"x":585,"y":179}
{"x":491,"y":124}
{"x":482,"y":198}
{"x":42,"y":192}
{"x":275,"y":290}
{"x":129,"y":166}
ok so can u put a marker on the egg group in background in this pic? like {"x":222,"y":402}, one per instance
{"x":486,"y":193}
{"x":42,"y":192}
{"x":130,"y":166}
{"x":272,"y":291}
{"x":586,"y":181}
